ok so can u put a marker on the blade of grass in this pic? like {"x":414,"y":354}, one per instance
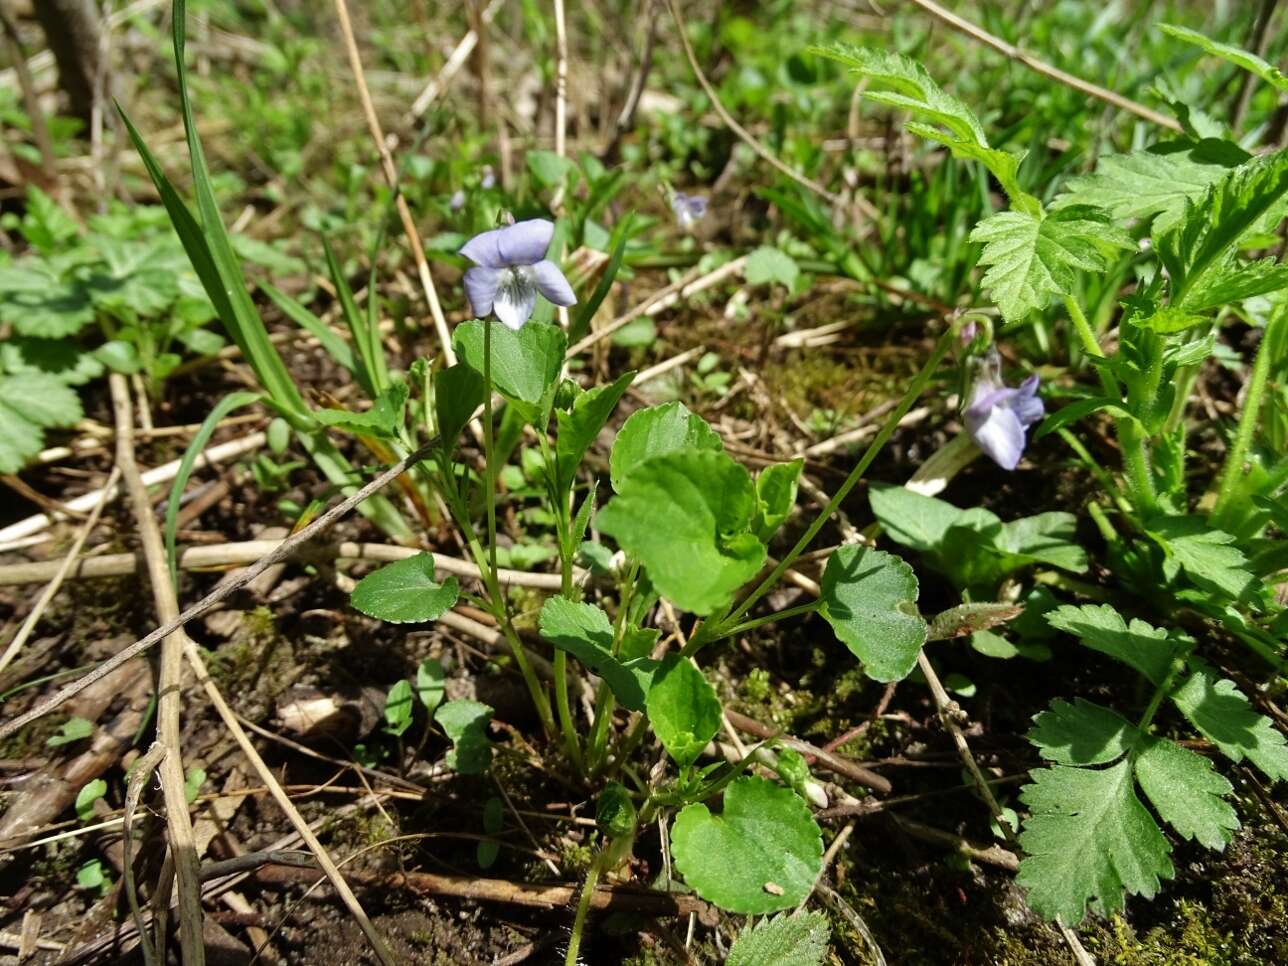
{"x":335,"y":346}
{"x":355,"y":322}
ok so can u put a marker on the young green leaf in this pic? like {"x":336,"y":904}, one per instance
{"x":398,"y":708}
{"x":429,"y":684}
{"x":73,"y":730}
{"x":1088,"y":838}
{"x":584,"y":631}
{"x":767,"y":265}
{"x":383,"y":419}
{"x":1216,"y":707}
{"x":1186,"y":791}
{"x":1155,"y":183}
{"x":761,"y":854}
{"x":30,"y":403}
{"x":525,"y":364}
{"x":775,"y":497}
{"x":458,"y":391}
{"x":910,"y":518}
{"x":1235,"y":55}
{"x":795,"y":940}
{"x":656,"y":431}
{"x":1207,"y":556}
{"x":90,"y":793}
{"x":405,"y":592}
{"x":1101,"y":628}
{"x":465,"y":724}
{"x":902,"y":83}
{"x":1199,"y":252}
{"x":683,"y":709}
{"x":579,"y":428}
{"x":687,"y":516}
{"x":1032,"y":257}
{"x":870,"y":599}
{"x":1044,"y":538}
{"x":1081,"y":733}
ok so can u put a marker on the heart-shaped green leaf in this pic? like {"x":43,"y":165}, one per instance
{"x":870,"y":599}
{"x":584,"y":631}
{"x":761,"y":854}
{"x":405,"y":592}
{"x":686,"y":517}
{"x":656,"y":431}
{"x":683,"y":709}
{"x":458,"y":391}
{"x":525,"y":364}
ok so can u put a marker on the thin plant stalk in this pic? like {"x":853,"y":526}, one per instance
{"x":1232,"y":472}
{"x":583,"y":907}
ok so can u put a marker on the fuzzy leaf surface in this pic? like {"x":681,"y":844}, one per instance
{"x":785,"y":940}
{"x":1221,"y":713}
{"x":870,"y":599}
{"x":1187,"y":792}
{"x":1081,"y":733}
{"x":1101,"y":628}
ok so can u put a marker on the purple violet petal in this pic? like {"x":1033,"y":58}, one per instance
{"x":480,"y":288}
{"x":552,"y":284}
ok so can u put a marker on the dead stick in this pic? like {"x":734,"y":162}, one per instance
{"x":835,"y":763}
{"x":285,"y":549}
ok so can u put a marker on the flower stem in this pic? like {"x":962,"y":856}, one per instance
{"x":710,"y":630}
{"x":1232,"y":471}
{"x":583,"y":907}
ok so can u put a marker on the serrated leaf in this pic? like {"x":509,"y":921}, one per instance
{"x":1088,"y":838}
{"x":40,"y":303}
{"x":795,"y":940}
{"x":683,"y":709}
{"x":1101,"y":628}
{"x":584,"y":631}
{"x":1216,"y":707}
{"x":30,"y":403}
{"x":1154,"y":183}
{"x":870,"y":599}
{"x":405,"y":592}
{"x":911,"y":519}
{"x":465,"y":724}
{"x":1199,"y":252}
{"x":697,"y":500}
{"x":761,"y":854}
{"x":1031,"y":258}
{"x":1187,"y":792}
{"x":775,"y":497}
{"x":1235,"y":55}
{"x":1207,"y":556}
{"x":655,"y":431}
{"x":902,"y":83}
{"x":767,"y":265}
{"x":61,"y":359}
{"x":579,"y":427}
{"x":1081,"y":733}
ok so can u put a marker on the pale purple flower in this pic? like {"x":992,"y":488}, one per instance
{"x":488,"y":181}
{"x":998,"y":415}
{"x":510,"y":268}
{"x":688,"y":208}
{"x":457,"y":201}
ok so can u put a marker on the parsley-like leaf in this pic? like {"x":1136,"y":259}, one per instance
{"x":1187,"y":792}
{"x":1103,"y":629}
{"x":1207,"y":556}
{"x":1216,"y":707}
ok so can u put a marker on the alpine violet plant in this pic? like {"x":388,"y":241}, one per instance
{"x":510,"y":268}
{"x":688,"y":208}
{"x":998,"y":416}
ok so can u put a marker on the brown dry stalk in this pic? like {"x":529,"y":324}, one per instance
{"x":169,"y":687}
{"x":391,"y":177}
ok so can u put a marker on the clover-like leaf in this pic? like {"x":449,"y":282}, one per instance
{"x":405,"y":592}
{"x":683,"y":709}
{"x":1187,"y":792}
{"x":761,"y":854}
{"x":1216,"y":707}
{"x":870,"y":599}
{"x":584,"y":631}
{"x":465,"y":724}
{"x":1088,"y":838}
{"x":655,"y":432}
{"x":686,"y":516}
{"x":1101,"y":628}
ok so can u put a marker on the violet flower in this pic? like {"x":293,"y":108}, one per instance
{"x":510,"y":268}
{"x":998,"y":415}
{"x":688,"y":208}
